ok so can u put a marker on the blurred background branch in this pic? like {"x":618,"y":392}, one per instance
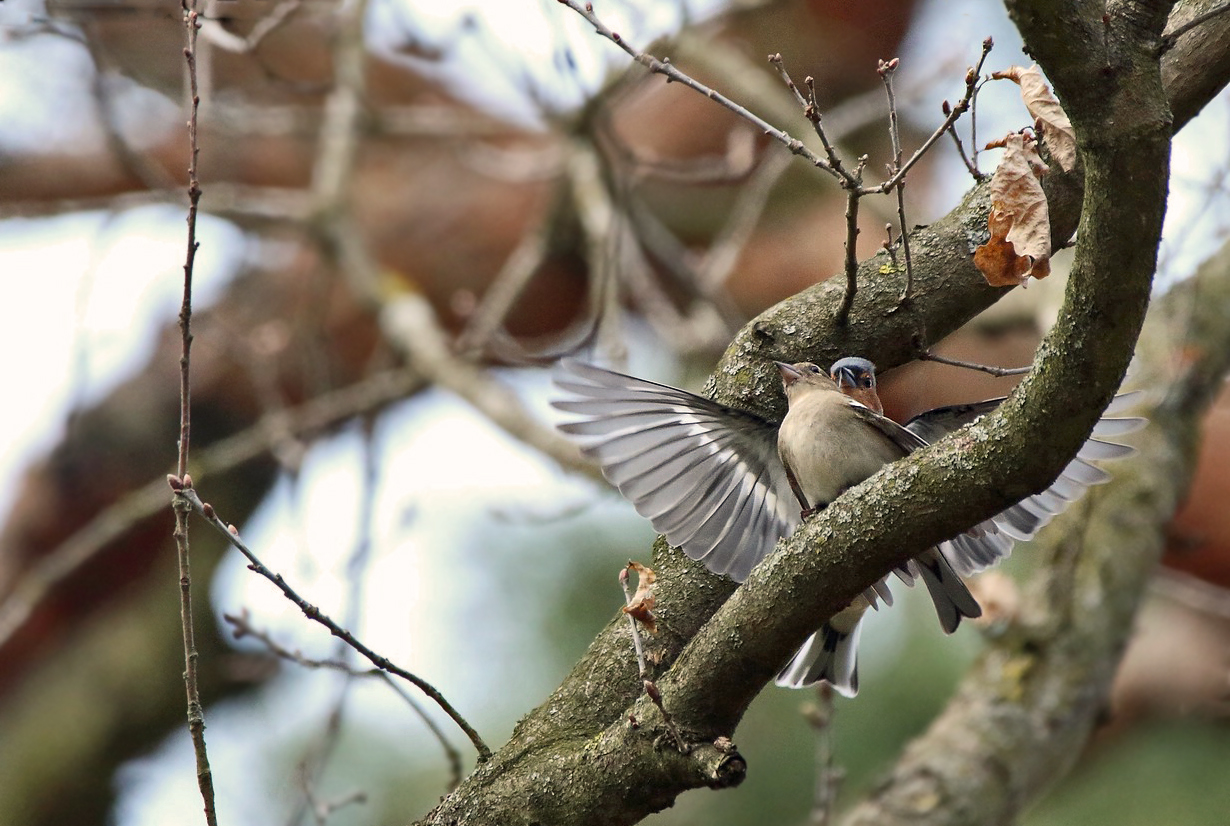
{"x":402,"y":212}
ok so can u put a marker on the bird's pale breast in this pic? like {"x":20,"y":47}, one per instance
{"x":828,"y":447}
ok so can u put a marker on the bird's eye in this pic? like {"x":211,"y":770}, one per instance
{"x":866,"y":381}
{"x":813,"y":368}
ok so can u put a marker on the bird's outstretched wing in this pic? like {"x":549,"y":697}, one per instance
{"x":992,"y":540}
{"x":904,"y":438}
{"x":706,"y":476}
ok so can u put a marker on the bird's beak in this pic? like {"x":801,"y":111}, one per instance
{"x":845,"y":377}
{"x":790,"y":373}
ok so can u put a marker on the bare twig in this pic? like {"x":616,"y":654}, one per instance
{"x":851,"y":266}
{"x":956,"y":139}
{"x":887,"y":246}
{"x":322,"y":810}
{"x":1192,"y":592}
{"x":518,"y":270}
{"x":196,"y":713}
{"x":811,"y":110}
{"x":730,"y":167}
{"x":243,"y":627}
{"x":411,"y":324}
{"x":227,"y":200}
{"x":973,"y":128}
{"x":636,"y":631}
{"x":618,"y":259}
{"x":638,"y":608}
{"x":113,"y":522}
{"x":927,"y":355}
{"x":316,"y":615}
{"x":655,"y":696}
{"x":851,"y":182}
{"x":316,"y":760}
{"x":407,"y":319}
{"x":213,"y":31}
{"x":667,"y":69}
{"x":105,"y":84}
{"x":963,"y":105}
{"x":886,"y":70}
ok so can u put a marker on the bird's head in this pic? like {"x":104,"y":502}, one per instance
{"x":853,"y":373}
{"x":856,"y":377}
{"x":803,"y":377}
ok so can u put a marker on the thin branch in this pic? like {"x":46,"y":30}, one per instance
{"x":851,"y":182}
{"x":407,"y":319}
{"x":655,"y":696}
{"x":973,"y":129}
{"x":243,"y":627}
{"x":886,"y":70}
{"x":636,"y":631}
{"x":104,"y":86}
{"x":851,"y":266}
{"x":322,"y":810}
{"x":213,"y":31}
{"x":731,"y":167}
{"x":811,"y":110}
{"x":315,"y":761}
{"x":971,"y":84}
{"x":512,"y":279}
{"x":927,"y":355}
{"x":410,"y":323}
{"x":956,"y":139}
{"x":1192,"y":592}
{"x":887,"y":246}
{"x":339,"y":128}
{"x":667,"y":69}
{"x":113,"y":522}
{"x":316,"y":615}
{"x":196,"y":713}
{"x":258,"y":203}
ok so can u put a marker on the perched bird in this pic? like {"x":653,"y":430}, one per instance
{"x":829,"y":442}
{"x":725,"y":484}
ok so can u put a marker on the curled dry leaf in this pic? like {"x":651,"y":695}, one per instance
{"x":1051,"y":120}
{"x":640,"y":607}
{"x":1020,"y":224}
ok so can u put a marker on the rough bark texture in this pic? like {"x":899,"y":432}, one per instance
{"x":576,"y":759}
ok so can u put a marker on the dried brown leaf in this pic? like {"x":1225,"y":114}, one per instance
{"x":1048,"y":115}
{"x":1020,"y":224}
{"x":640,"y":607}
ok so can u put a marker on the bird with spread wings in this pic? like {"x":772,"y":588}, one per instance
{"x":725,"y":484}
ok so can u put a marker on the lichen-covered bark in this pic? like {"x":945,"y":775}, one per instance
{"x":578,"y":758}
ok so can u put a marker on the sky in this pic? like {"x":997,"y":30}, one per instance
{"x":88,"y":292}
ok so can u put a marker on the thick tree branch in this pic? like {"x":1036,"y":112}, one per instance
{"x":1024,"y":711}
{"x":575,"y":757}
